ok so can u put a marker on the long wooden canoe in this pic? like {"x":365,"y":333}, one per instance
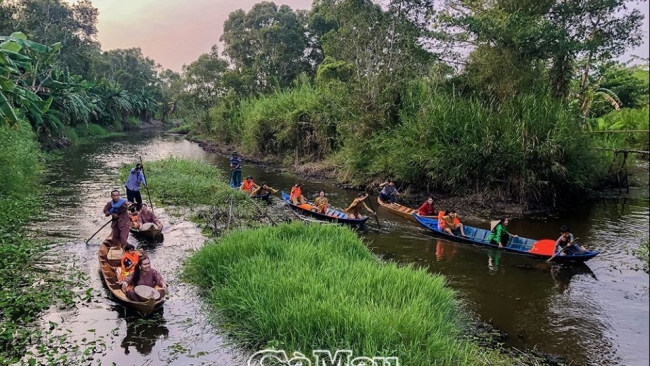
{"x":535,"y":248}
{"x":110,"y":259}
{"x":330,"y":215}
{"x":399,"y":210}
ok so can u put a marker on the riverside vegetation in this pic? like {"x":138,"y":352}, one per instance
{"x":30,"y":281}
{"x":382,"y":96}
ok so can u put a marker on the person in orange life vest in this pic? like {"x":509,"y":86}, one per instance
{"x":321,"y":202}
{"x":427,"y":208}
{"x":354,"y":210}
{"x":451,"y":223}
{"x":296,"y":195}
{"x":118,"y":208}
{"x":248,"y":185}
{"x":129,"y":260}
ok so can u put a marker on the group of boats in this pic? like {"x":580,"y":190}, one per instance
{"x":110,"y":257}
{"x":544,"y":248}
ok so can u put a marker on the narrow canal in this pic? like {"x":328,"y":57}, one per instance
{"x":591,"y":314}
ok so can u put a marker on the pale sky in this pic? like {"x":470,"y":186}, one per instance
{"x":176,"y":32}
{"x":172,"y":32}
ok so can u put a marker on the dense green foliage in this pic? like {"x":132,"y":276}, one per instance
{"x":304,"y":287}
{"x":55,"y":75}
{"x":383,"y":95}
{"x":24,"y":291}
{"x":529,"y":149}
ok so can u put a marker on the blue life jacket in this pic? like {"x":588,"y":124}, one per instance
{"x":115,"y":206}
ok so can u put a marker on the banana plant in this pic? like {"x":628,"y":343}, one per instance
{"x":18,"y":66}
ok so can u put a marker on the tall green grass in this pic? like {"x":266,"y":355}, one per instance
{"x":530,"y":148}
{"x":175,"y":181}
{"x":301,"y":122}
{"x":24,"y":292}
{"x":19,"y":159}
{"x":624,"y":119}
{"x":305,"y":287}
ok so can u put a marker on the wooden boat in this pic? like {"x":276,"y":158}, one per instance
{"x":330,"y":215}
{"x":535,"y":248}
{"x":151,"y":233}
{"x":110,"y":259}
{"x":398,"y":209}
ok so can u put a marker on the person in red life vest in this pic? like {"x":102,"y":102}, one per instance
{"x":129,"y":260}
{"x":248,"y":185}
{"x":118,"y":208}
{"x":296,"y":195}
{"x":427,"y":208}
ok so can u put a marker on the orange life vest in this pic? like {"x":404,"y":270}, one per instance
{"x":134,"y":258}
{"x":247,"y":187}
{"x":296,"y":192}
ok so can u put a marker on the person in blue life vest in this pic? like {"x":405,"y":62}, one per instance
{"x":132,"y":185}
{"x":118,"y":208}
{"x":235,"y":170}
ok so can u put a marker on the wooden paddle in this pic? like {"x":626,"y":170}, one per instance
{"x":561,"y":250}
{"x":100,"y":229}
{"x":373,"y":209}
{"x":147,"y":185}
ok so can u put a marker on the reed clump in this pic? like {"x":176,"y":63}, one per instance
{"x":529,"y":149}
{"x":306,"y":287}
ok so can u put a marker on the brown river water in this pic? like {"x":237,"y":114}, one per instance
{"x":590,"y":314}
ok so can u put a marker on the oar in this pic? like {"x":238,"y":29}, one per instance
{"x":373,"y":209}
{"x":100,"y":229}
{"x":561,"y":250}
{"x":147,"y":186}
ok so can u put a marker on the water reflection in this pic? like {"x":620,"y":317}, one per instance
{"x":445,"y":250}
{"x":148,"y":242}
{"x":142,"y":333}
{"x":494,"y":258}
{"x":563,"y":274}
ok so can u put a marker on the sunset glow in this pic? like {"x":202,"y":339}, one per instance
{"x":176,"y":32}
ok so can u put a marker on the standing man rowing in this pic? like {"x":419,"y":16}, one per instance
{"x":235,"y":170}
{"x":118,"y":208}
{"x":136,"y":177}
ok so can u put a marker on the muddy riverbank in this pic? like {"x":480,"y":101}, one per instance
{"x":474,"y":206}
